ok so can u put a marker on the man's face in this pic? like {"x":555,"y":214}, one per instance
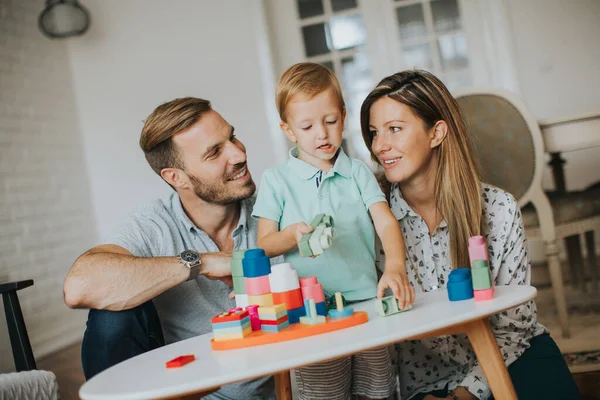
{"x":215,"y":161}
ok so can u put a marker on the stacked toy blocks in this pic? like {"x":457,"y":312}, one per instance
{"x":285,"y":288}
{"x":340,"y":310}
{"x":231,"y":325}
{"x":388,"y":305}
{"x":274,"y":318}
{"x":257,"y":267}
{"x":311,"y":318}
{"x":480,"y":269}
{"x":313,"y":290}
{"x":237,"y":273}
{"x":320,"y":239}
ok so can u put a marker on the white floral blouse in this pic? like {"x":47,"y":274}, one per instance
{"x":431,"y":364}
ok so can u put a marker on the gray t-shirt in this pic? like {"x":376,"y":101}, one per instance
{"x":162,"y":228}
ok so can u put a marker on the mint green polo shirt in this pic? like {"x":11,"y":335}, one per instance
{"x":297,"y":191}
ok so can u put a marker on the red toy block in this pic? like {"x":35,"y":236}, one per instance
{"x":180,"y":361}
{"x":226,"y":317}
{"x":274,"y":322}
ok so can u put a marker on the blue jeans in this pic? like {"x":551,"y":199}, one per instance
{"x":540,"y":373}
{"x":114,"y":336}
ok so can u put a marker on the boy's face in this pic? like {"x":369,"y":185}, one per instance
{"x":315,"y":124}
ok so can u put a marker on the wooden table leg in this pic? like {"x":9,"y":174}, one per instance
{"x":283,"y":386}
{"x":488,"y":354}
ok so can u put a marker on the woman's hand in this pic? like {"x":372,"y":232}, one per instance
{"x":397,"y":281}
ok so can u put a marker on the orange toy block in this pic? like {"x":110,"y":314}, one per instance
{"x":180,"y":361}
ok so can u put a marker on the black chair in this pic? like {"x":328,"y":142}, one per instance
{"x":19,"y":340}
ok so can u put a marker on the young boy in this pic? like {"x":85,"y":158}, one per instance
{"x":320,"y":178}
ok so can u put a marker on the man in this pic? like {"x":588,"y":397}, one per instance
{"x":166,"y":270}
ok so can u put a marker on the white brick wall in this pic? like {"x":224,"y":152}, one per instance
{"x":46,"y":210}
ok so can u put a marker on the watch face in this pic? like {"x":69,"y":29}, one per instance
{"x":189,"y":256}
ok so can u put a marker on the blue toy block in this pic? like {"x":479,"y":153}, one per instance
{"x":256,"y":263}
{"x":460,"y":285}
{"x":295,"y":314}
{"x":321,"y":308}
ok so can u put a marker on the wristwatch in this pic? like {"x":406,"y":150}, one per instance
{"x":191,"y":259}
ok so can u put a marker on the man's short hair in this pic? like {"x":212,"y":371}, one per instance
{"x":166,"y":121}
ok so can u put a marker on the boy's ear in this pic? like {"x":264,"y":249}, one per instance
{"x":288,"y":131}
{"x":438,"y":133}
{"x":175,"y":177}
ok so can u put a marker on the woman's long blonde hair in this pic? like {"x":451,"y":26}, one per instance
{"x":457,"y":180}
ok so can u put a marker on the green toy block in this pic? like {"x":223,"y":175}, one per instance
{"x":239,"y":286}
{"x":236,"y":267}
{"x":481,"y":278}
{"x":388,"y":306}
{"x":321,"y":238}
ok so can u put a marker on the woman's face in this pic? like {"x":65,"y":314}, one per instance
{"x":400,"y":141}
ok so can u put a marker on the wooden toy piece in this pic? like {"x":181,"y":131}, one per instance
{"x":226,"y":317}
{"x":256,"y":263}
{"x":340,"y":311}
{"x":257,"y":286}
{"x":254,"y":318}
{"x":311,"y":317}
{"x":460,"y":286}
{"x":265,"y":300}
{"x":272,"y":312}
{"x":180,"y":361}
{"x":388,"y":306}
{"x":283,"y":278}
{"x":483,"y":288}
{"x":294,"y":314}
{"x":292,"y":299}
{"x":292,"y":332}
{"x":241,"y":300}
{"x":237,"y":268}
{"x":239,"y":284}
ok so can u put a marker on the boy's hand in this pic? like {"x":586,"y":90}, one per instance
{"x":298,"y":230}
{"x":397,"y":281}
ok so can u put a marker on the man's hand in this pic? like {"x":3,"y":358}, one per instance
{"x":397,"y":281}
{"x":217,"y":266}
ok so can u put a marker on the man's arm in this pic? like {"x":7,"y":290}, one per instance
{"x":109,"y":277}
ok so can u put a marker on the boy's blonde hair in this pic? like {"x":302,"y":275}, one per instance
{"x":307,"y":79}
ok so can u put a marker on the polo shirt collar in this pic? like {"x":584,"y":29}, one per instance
{"x":304,"y":170}
{"x":191,"y":227}
{"x":400,"y":207}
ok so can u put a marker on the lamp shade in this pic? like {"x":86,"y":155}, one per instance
{"x":63,"y":18}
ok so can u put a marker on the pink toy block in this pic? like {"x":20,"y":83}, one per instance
{"x":257,"y":286}
{"x":308,"y":281}
{"x":254,"y":319}
{"x":482,"y":295}
{"x":314,"y":292}
{"x":477,"y":249}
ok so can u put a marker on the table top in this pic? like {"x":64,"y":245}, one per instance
{"x":577,"y":132}
{"x":146,"y":377}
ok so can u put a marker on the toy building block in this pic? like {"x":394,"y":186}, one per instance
{"x":481,"y":275}
{"x":241,"y":300}
{"x":312,"y":289}
{"x":332,"y":302}
{"x":483,"y":288}
{"x":257,"y":286}
{"x":234,"y":324}
{"x":239,"y":284}
{"x":295,"y":314}
{"x":388,"y":306}
{"x":180,"y":361}
{"x":321,"y":238}
{"x":265,"y":300}
{"x":485,"y":294}
{"x":311,"y":317}
{"x":272,"y":312}
{"x":254,"y":318}
{"x":340,"y":311}
{"x":292,"y":299}
{"x":460,"y":286}
{"x":237,"y":268}
{"x":283,"y":278}
{"x":256,"y":263}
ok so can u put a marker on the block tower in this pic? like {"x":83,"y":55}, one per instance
{"x":321,"y":238}
{"x":286,"y":290}
{"x":313,"y":290}
{"x":480,"y":269}
{"x":274,"y":318}
{"x":257,"y":268}
{"x":237,"y":273}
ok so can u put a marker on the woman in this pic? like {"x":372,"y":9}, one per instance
{"x":415,"y":130}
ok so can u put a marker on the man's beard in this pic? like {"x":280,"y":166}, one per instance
{"x":222,"y":193}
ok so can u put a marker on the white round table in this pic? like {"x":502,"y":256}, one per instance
{"x":146,"y":377}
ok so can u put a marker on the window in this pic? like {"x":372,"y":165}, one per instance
{"x":432,"y":38}
{"x":334,"y":35}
